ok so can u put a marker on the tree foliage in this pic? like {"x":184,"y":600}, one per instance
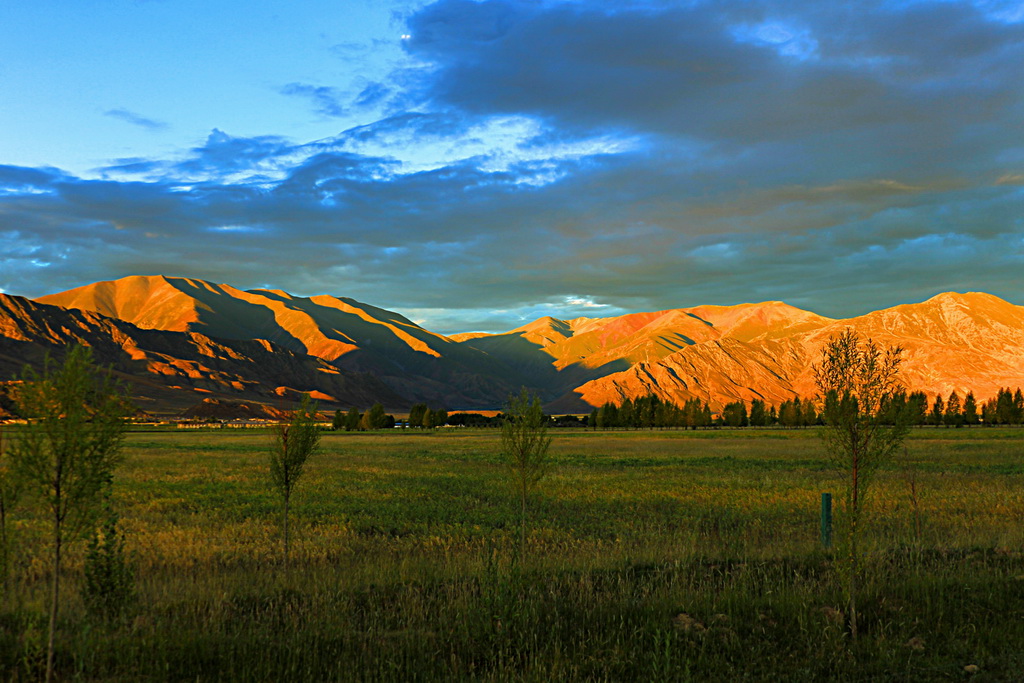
{"x":652,"y":412}
{"x":375,"y":418}
{"x":109,"y":589}
{"x":856,"y":380}
{"x":68,"y":450}
{"x":438,"y":418}
{"x":525,"y":444}
{"x":10,"y":491}
{"x":416,"y":414}
{"x":735,"y":414}
{"x":291,"y":445}
{"x":971,"y":416}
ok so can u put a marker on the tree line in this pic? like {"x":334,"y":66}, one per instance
{"x":650,"y":412}
{"x":420,"y":415}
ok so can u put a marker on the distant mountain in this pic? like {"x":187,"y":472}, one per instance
{"x":348,"y":334}
{"x":719,"y":354}
{"x":963,"y":342}
{"x":589,"y":361}
{"x":171,"y":371}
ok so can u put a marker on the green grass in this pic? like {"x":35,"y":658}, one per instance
{"x":652,"y":556}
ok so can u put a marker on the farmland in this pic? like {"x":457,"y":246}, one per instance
{"x":651,"y":556}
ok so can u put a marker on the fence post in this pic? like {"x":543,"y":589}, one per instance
{"x":826,"y":520}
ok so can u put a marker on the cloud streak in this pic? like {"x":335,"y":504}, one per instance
{"x":136,"y":119}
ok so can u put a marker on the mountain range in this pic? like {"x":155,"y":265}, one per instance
{"x":180,"y":340}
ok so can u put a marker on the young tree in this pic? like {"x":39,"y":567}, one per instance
{"x":10,"y":489}
{"x":338,"y":422}
{"x":291,"y":444}
{"x":68,"y":450}
{"x":855,"y":379}
{"x":525,"y":443}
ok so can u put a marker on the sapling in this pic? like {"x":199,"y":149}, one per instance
{"x":856,"y":380}
{"x":525,"y":443}
{"x":68,"y":451}
{"x":291,"y":444}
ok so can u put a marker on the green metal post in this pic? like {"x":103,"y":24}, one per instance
{"x":826,"y":520}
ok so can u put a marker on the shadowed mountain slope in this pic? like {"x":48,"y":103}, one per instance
{"x":169,"y":371}
{"x":566,"y":355}
{"x":348,"y":334}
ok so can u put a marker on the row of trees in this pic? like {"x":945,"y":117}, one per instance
{"x":375,"y":418}
{"x":648,"y":412}
{"x":353,"y":420}
{"x":421,"y":415}
{"x":1006,"y":408}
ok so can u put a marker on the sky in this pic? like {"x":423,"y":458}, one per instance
{"x":476,"y":165}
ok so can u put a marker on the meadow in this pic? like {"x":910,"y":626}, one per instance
{"x":653,"y":555}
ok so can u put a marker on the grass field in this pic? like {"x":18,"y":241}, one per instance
{"x":651,"y":556}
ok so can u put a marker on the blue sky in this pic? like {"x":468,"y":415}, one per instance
{"x":478,"y":164}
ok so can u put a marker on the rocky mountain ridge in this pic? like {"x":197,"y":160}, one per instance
{"x":347,"y":334}
{"x":971,"y":341}
{"x":170,"y":371}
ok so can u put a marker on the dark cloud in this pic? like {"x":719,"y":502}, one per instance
{"x":17,"y":180}
{"x":885,"y":78}
{"x":841,"y":158}
{"x":136,"y":119}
